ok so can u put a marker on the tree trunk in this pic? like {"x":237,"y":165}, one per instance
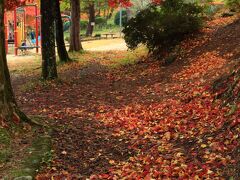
{"x":91,"y":11}
{"x":61,"y":48}
{"x":75,"y":43}
{"x":49,"y":68}
{"x":9,"y":111}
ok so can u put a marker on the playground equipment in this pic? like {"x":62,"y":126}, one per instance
{"x":19,"y":33}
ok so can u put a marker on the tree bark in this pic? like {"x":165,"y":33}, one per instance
{"x":9,"y":111}
{"x":61,"y":48}
{"x":49,"y":68}
{"x":91,"y":11}
{"x":75,"y":43}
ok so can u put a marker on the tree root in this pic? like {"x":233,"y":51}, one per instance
{"x":26,"y":119}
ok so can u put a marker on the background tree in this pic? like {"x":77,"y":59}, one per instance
{"x":49,"y":68}
{"x":91,"y":16}
{"x":233,"y":4}
{"x":61,"y":48}
{"x":9,"y":111}
{"x":75,"y":43}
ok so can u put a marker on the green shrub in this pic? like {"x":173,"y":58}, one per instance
{"x":163,"y":27}
{"x":67,"y":39}
{"x":212,"y":9}
{"x":233,"y":4}
{"x":100,"y":21}
{"x":97,"y":35}
{"x":117,"y":18}
{"x":67,"y":25}
{"x":83,"y":24}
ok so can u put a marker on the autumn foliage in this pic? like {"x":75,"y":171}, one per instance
{"x":117,"y":3}
{"x":10,"y":4}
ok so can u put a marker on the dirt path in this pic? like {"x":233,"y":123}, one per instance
{"x":92,"y":138}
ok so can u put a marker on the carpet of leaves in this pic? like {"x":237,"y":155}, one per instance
{"x":145,"y":121}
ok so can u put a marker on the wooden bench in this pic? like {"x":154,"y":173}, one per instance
{"x":10,"y":41}
{"x":25,"y":48}
{"x":109,"y":34}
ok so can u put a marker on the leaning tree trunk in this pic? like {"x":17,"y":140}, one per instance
{"x":9,"y":111}
{"x":91,"y":11}
{"x":61,"y":48}
{"x":75,"y":43}
{"x":49,"y":68}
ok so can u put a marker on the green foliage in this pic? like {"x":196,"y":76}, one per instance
{"x":65,"y":5}
{"x":117,"y":18}
{"x":163,"y":27}
{"x":83,"y":24}
{"x":4,"y":136}
{"x":100,"y":21}
{"x":5,"y":152}
{"x":98,"y":35}
{"x":233,"y":4}
{"x":39,"y":154}
{"x":211,"y":9}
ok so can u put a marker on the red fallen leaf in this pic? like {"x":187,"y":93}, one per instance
{"x":104,"y":176}
{"x":93,"y":177}
{"x":16,"y":118}
{"x":235,"y":122}
{"x":3,"y":123}
{"x":147,"y":177}
{"x":146,"y":174}
{"x":167,"y":136}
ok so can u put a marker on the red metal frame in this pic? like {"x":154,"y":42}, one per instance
{"x":15,"y":28}
{"x":15,"y":32}
{"x":24,"y":24}
{"x":6,"y":32}
{"x":36,"y":14}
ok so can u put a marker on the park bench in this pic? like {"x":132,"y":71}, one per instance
{"x":25,"y":48}
{"x":109,"y":34}
{"x":11,"y":41}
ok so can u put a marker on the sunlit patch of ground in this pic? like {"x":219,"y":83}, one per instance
{"x":105,"y":45}
{"x":30,"y":60}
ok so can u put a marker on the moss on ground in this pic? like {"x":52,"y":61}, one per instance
{"x":24,"y":152}
{"x":37,"y":155}
{"x":5,"y":151}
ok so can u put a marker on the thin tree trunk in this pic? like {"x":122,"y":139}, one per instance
{"x":49,"y":67}
{"x":91,"y":11}
{"x":75,"y":43}
{"x":9,"y":111}
{"x":61,"y":48}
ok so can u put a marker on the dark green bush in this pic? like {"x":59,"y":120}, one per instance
{"x":67,"y":39}
{"x":97,"y":35}
{"x":100,"y":21}
{"x":117,"y":18}
{"x":163,"y":27}
{"x":233,"y":4}
{"x":83,"y":24}
{"x":67,"y":25}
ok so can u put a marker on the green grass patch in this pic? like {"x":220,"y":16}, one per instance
{"x":24,"y":150}
{"x":37,"y":155}
{"x":129,"y":58}
{"x":5,"y":152}
{"x":4,"y":136}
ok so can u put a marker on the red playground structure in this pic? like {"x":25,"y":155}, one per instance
{"x":18,"y":31}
